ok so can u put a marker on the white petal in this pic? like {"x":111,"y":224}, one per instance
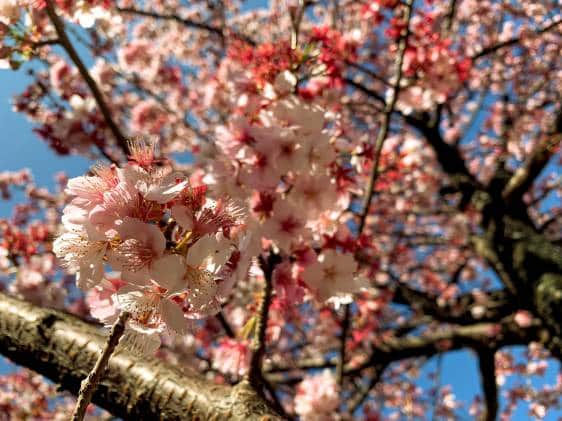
{"x":184,"y":216}
{"x":169,"y":272}
{"x":202,"y":288}
{"x":199,"y":251}
{"x":165,"y":193}
{"x":140,"y":277}
{"x":140,"y":343}
{"x":173,"y":316}
{"x":130,"y":299}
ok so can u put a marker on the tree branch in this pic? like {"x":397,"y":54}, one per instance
{"x":225,"y":325}
{"x":188,"y":23}
{"x":365,"y":90}
{"x":513,"y":41}
{"x":476,"y":336}
{"x":449,"y":158}
{"x":65,"y":348}
{"x":524,"y":177}
{"x":458,"y":313}
{"x":65,"y":42}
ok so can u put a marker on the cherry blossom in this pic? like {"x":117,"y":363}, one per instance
{"x":113,"y":219}
{"x":317,"y":397}
{"x":333,"y":275}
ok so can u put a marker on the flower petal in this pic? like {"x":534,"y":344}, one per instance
{"x":169,"y":272}
{"x":184,"y":216}
{"x":165,"y":193}
{"x":173,"y":316}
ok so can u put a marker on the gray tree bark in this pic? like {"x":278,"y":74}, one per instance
{"x":64,"y":348}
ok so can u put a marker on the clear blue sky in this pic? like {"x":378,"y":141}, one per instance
{"x":21,"y":148}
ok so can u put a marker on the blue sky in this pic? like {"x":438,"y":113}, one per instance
{"x":21,"y":148}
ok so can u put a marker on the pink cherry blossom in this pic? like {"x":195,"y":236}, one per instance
{"x":317,"y":397}
{"x":332,"y":275}
{"x":232,"y":357}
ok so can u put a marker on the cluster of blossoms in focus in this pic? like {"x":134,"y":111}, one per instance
{"x":177,"y":252}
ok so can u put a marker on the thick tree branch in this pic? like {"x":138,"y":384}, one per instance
{"x":498,"y":306}
{"x":65,"y":42}
{"x":477,"y":336}
{"x":64,"y":349}
{"x":449,"y":158}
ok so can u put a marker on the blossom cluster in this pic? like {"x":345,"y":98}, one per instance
{"x":26,"y":395}
{"x":279,"y":157}
{"x":13,"y":179}
{"x":177,"y":252}
{"x":317,"y":397}
{"x":433,"y":69}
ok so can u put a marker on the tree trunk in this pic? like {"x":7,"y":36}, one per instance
{"x":64,"y":349}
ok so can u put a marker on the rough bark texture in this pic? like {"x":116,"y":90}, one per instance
{"x":64,"y":349}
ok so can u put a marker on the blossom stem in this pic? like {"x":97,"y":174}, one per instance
{"x":225,"y":325}
{"x":89,"y":384}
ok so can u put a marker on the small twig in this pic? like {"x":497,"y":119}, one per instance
{"x":225,"y":325}
{"x":436,"y":397}
{"x":389,"y":109}
{"x":375,"y":172}
{"x":188,"y":23}
{"x":65,"y":42}
{"x":450,"y":16}
{"x":343,"y":338}
{"x":274,"y":400}
{"x":44,"y":42}
{"x":359,"y":398}
{"x":513,"y":41}
{"x":368,"y":72}
{"x":255,"y":376}
{"x":89,"y":384}
{"x":335,"y":13}
{"x":369,"y":92}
